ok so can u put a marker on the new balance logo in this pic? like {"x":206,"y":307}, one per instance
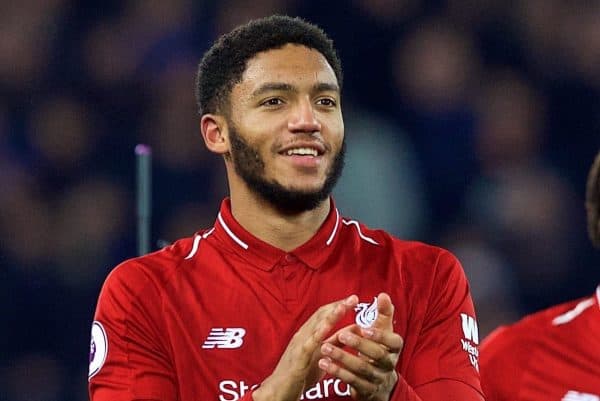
{"x":225,"y":338}
{"x":577,"y":396}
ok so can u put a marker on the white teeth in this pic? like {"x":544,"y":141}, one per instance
{"x":302,"y":151}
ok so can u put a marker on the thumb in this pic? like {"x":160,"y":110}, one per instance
{"x":385,"y":312}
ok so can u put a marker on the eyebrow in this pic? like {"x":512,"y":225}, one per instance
{"x":285,"y":87}
{"x":326,"y":87}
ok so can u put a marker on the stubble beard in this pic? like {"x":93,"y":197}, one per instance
{"x":250,"y":166}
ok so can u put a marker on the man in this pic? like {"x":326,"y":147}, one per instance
{"x":552,"y":355}
{"x":282,"y":299}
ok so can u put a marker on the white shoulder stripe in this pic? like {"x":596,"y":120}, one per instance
{"x":337,"y":223}
{"x":196,"y":243}
{"x":573,"y":313}
{"x":360,"y":234}
{"x":209,"y":232}
{"x":231,"y":234}
{"x":197,"y":239}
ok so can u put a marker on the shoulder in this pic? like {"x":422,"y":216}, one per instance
{"x":138,"y":275}
{"x":506,"y":353}
{"x":414,"y":258}
{"x":526,"y":332}
{"x":388,"y":242}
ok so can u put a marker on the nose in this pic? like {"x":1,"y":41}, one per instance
{"x":303,"y":118}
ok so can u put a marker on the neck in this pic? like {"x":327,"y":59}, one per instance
{"x":266,"y":222}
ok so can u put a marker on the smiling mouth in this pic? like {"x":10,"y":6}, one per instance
{"x":311,"y":152}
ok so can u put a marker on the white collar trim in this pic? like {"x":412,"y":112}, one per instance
{"x":337,"y":223}
{"x":231,"y":234}
{"x":245,"y":246}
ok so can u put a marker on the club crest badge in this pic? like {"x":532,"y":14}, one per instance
{"x":98,"y":349}
{"x":366,"y":313}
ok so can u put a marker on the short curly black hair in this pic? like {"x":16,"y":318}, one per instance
{"x":592,"y":202}
{"x":223,"y":65}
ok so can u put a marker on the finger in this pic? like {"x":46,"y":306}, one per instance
{"x":360,"y":385}
{"x":334,"y":338}
{"x":329,"y":315}
{"x":392,"y":341}
{"x":314,"y":330}
{"x":325,"y":322}
{"x":355,"y":364}
{"x":371,"y":351}
{"x":385,"y":312}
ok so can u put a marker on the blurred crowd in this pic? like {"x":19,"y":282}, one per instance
{"x":470,"y":125}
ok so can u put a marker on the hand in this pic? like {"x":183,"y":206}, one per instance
{"x":298,"y":370}
{"x":372,"y":373}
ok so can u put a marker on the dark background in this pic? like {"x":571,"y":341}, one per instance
{"x":471,"y":125}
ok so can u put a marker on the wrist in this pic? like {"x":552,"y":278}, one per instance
{"x":265,"y":391}
{"x":261,"y":394}
{"x":276,"y":390}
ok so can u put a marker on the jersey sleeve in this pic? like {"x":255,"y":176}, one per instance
{"x":446,"y":353}
{"x":439,"y":390}
{"x":503,"y":359}
{"x":128,"y":357}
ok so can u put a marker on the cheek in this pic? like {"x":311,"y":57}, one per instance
{"x":253,"y":138}
{"x":266,"y":152}
{"x":337,"y":138}
{"x":335,"y":128}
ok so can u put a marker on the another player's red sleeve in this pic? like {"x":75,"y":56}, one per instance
{"x":129,"y":358}
{"x":503,"y":359}
{"x":444,"y":365}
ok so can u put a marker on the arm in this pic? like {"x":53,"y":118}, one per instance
{"x":451,"y":390}
{"x":445,"y":362}
{"x":129,"y":360}
{"x":504,"y":358}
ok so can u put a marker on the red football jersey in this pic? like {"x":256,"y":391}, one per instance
{"x":208,"y":317}
{"x":552,"y":355}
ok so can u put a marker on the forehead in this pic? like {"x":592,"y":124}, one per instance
{"x":294,"y":64}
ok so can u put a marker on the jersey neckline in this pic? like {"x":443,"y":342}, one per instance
{"x":312,"y":253}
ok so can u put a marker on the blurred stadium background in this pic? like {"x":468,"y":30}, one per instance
{"x":471,"y":125}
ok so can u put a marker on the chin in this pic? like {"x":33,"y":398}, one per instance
{"x":304,"y":189}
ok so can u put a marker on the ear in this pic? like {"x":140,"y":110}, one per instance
{"x":213,"y":127}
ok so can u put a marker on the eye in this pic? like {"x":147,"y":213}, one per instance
{"x":327,"y":102}
{"x":274,"y":101}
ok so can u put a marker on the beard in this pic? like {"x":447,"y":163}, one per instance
{"x":249,"y":165}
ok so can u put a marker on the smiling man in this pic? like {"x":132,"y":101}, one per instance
{"x":283,"y":299}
